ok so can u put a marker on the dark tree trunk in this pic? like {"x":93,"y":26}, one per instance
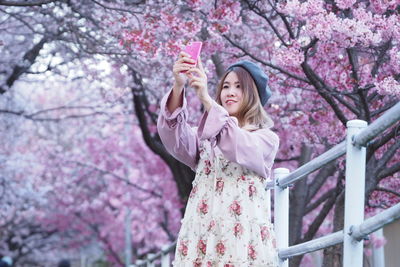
{"x":333,"y":255}
{"x":298,"y":202}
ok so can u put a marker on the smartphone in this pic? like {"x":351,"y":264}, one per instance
{"x":193,"y":49}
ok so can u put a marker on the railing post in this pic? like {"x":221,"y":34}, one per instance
{"x":165,"y":260}
{"x":378,"y":254}
{"x":354,"y":195}
{"x":139,"y":263}
{"x":128,"y":238}
{"x":150,"y":263}
{"x":268,"y":203}
{"x":281,"y":213}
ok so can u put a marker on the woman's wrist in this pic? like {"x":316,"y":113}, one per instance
{"x":206,"y":101}
{"x":177,"y":88}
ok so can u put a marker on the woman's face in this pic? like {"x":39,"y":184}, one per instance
{"x":231,"y":94}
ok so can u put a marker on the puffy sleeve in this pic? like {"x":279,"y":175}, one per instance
{"x":254,"y":150}
{"x":178,"y":137}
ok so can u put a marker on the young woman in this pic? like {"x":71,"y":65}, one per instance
{"x":226,"y":222}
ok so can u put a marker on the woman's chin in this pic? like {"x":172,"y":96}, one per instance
{"x":232,"y":113}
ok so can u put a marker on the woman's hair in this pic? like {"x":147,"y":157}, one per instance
{"x":251,"y":113}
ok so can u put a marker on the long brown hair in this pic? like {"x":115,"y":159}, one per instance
{"x":251,"y":115}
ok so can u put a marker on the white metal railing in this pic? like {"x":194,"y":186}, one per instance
{"x":163,"y":255}
{"x":355,"y":228}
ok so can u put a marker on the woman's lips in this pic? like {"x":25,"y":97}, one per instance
{"x":230,"y":102}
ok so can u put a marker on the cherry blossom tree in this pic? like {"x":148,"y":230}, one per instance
{"x":328,"y":61}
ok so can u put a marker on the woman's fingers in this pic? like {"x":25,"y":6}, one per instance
{"x":200,"y":63}
{"x":184,"y":54}
{"x":186,"y":60}
{"x":183,"y":57}
{"x":181,"y":67}
{"x":198,"y":72}
{"x":196,"y":80}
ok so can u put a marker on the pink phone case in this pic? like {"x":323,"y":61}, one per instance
{"x":193,"y":49}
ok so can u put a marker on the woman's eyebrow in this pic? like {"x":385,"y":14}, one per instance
{"x":229,"y":82}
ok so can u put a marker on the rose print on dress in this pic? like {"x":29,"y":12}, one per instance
{"x":220,"y":248}
{"x":183,"y":249}
{"x":230,"y":188}
{"x":265,"y":233}
{"x":238,"y":229}
{"x":193,"y":192}
{"x":197,"y":262}
{"x":241,"y":178}
{"x":207,"y":167}
{"x":202,"y":246}
{"x":201,"y":151}
{"x":252,"y":190}
{"x":211,"y":226}
{"x":203,"y":207}
{"x":219,"y":187}
{"x":252,"y":252}
{"x":235,"y":208}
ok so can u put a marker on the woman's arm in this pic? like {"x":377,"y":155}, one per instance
{"x":175,"y":100}
{"x":178,"y":137}
{"x":253,"y":150}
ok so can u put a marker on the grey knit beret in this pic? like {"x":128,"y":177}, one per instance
{"x":259,"y":77}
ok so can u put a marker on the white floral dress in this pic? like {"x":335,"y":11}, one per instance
{"x":226,"y":223}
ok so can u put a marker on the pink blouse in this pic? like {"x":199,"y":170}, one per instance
{"x":254,"y":150}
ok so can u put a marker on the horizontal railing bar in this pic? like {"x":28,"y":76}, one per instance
{"x":164,"y":251}
{"x":330,"y":155}
{"x":378,"y":126}
{"x":376,"y":222}
{"x":312,"y":245}
{"x":373,"y":130}
{"x":370,"y":225}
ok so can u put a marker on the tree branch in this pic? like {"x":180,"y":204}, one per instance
{"x":117,"y":9}
{"x":285,"y":160}
{"x":320,"y":200}
{"x":381,"y":165}
{"x":151,"y":192}
{"x":377,"y":143}
{"x":388,"y":191}
{"x":384,"y":48}
{"x":312,"y":230}
{"x":353,"y":59}
{"x":294,"y":76}
{"x":257,"y":11}
{"x":33,"y":115}
{"x":320,"y":179}
{"x":26,"y":3}
{"x":389,"y":171}
{"x":315,"y":81}
{"x":387,"y":106}
{"x":347,"y":105}
{"x":29,"y":57}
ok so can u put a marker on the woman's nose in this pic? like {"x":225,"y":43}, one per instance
{"x":231,"y":91}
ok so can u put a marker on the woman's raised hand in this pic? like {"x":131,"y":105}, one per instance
{"x":198,"y":80}
{"x":181,"y":68}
